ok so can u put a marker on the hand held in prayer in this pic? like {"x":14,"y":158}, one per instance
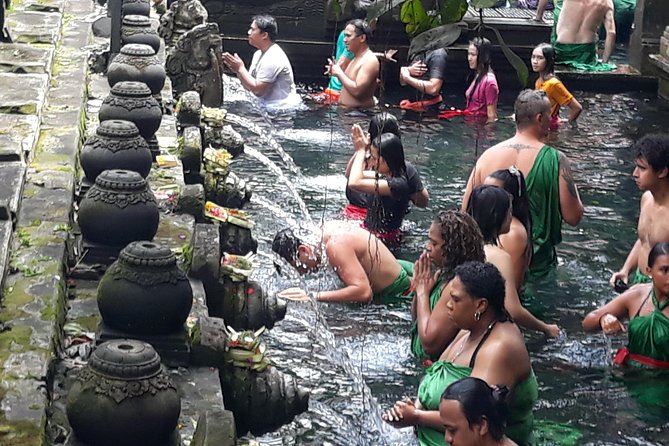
{"x":233,"y":61}
{"x":360,"y":140}
{"x":334,"y":68}
{"x":423,"y":277}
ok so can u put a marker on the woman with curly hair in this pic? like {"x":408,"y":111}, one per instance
{"x":453,"y":238}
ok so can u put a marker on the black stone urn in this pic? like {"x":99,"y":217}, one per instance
{"x":118,"y":209}
{"x":116,"y":144}
{"x":261,"y":401}
{"x":132,"y":101}
{"x":144,"y":291}
{"x":137,"y":62}
{"x":137,"y":29}
{"x":124,"y":397}
{"x":136,"y":7}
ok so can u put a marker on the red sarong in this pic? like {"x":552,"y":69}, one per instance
{"x":447,"y":114}
{"x":354,"y":212}
{"x":389,"y":238}
{"x":419,"y":106}
{"x":624,"y":354}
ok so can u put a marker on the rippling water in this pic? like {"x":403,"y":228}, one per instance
{"x":330,"y":348}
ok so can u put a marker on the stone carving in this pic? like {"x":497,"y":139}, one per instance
{"x":137,"y":29}
{"x":246,"y":307}
{"x":118,"y":209}
{"x":182,"y":16}
{"x":137,"y":62}
{"x":116,"y":144}
{"x":193,"y":64}
{"x":132,"y":101}
{"x":144,"y":291}
{"x":136,"y":7}
{"x":124,"y":396}
{"x":261,"y":401}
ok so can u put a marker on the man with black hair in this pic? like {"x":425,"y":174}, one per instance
{"x":360,"y":79}
{"x":551,"y":188}
{"x":362,"y":261}
{"x":270,"y":75}
{"x":651,"y":174}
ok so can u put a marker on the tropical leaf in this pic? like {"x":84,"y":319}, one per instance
{"x":439,"y":37}
{"x":335,"y":7}
{"x":415,"y":17}
{"x":516,"y":62}
{"x":379,"y":7}
{"x":483,"y":3}
{"x":453,"y":11}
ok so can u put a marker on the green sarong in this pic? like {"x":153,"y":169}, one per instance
{"x":638,"y":277}
{"x":416,"y":345}
{"x":400,"y":286}
{"x":649,"y":335}
{"x":442,"y":373}
{"x":544,"y":193}
{"x":581,"y":56}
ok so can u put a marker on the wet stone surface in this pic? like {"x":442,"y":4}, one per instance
{"x":12,"y":176}
{"x":18,"y":134}
{"x":28,"y":99}
{"x":22,"y":58}
{"x":34,"y":27}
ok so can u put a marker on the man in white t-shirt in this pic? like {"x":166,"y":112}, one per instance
{"x":270,"y":76}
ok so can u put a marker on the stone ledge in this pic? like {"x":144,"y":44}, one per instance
{"x":21,"y":58}
{"x":28,"y":99}
{"x":18,"y":136}
{"x":34,"y":27}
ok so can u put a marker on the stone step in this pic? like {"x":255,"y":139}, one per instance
{"x":12,"y":178}
{"x":33,"y":27}
{"x":18,"y":136}
{"x":22,"y":58}
{"x":27,"y":100}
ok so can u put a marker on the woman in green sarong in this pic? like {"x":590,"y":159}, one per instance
{"x":647,"y":308}
{"x":453,"y":239}
{"x":489,"y":346}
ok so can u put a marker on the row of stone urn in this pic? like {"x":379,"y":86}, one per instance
{"x":144,"y":297}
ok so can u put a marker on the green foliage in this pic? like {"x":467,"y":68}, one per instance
{"x":516,"y":62}
{"x":453,"y":11}
{"x":416,"y":18}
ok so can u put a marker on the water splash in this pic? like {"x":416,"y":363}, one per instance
{"x":266,"y":138}
{"x":275,"y":169}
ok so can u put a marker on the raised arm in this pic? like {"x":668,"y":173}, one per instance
{"x":607,"y":318}
{"x":356,"y":176}
{"x":571,"y":207}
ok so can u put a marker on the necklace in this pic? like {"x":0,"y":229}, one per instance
{"x":461,"y":348}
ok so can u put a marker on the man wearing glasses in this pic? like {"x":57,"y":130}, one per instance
{"x":360,"y":79}
{"x":270,"y":76}
{"x":550,"y":184}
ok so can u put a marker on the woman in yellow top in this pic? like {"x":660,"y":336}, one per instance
{"x":543,"y":62}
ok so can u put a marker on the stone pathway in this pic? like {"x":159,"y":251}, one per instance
{"x":43,"y":78}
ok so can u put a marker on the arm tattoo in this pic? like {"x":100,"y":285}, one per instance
{"x":566,"y":174}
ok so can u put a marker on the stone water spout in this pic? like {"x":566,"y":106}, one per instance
{"x":124,"y":397}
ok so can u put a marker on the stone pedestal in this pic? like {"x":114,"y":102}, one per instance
{"x":650,"y":20}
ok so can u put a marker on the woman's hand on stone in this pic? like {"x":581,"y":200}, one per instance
{"x":611,"y":324}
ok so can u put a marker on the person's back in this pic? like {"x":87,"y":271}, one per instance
{"x":376,"y":259}
{"x":579,"y":20}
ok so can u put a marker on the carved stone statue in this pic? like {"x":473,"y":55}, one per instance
{"x":182,"y":16}
{"x":193,"y":64}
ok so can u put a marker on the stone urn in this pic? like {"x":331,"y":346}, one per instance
{"x":137,"y":62}
{"x":116,"y":144}
{"x":136,"y":7}
{"x":119,"y":209}
{"x":261,"y":401}
{"x":124,"y":397}
{"x":144,"y":291}
{"x":137,"y":29}
{"x":132,"y":101}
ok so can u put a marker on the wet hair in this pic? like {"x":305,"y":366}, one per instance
{"x":362,"y":28}
{"x":390,"y":148}
{"x":462,"y":239}
{"x":267,"y":24}
{"x":478,"y":400}
{"x":384,"y":122}
{"x":660,"y":249}
{"x":483,"y":280}
{"x":654,"y":149}
{"x":528,"y":105}
{"x":549,"y":54}
{"x":513,"y":181}
{"x":285,"y":244}
{"x":489,"y":206}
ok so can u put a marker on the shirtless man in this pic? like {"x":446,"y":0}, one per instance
{"x":652,"y":176}
{"x":360,"y":79}
{"x":362,"y":262}
{"x":579,"y":23}
{"x":550,"y":184}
